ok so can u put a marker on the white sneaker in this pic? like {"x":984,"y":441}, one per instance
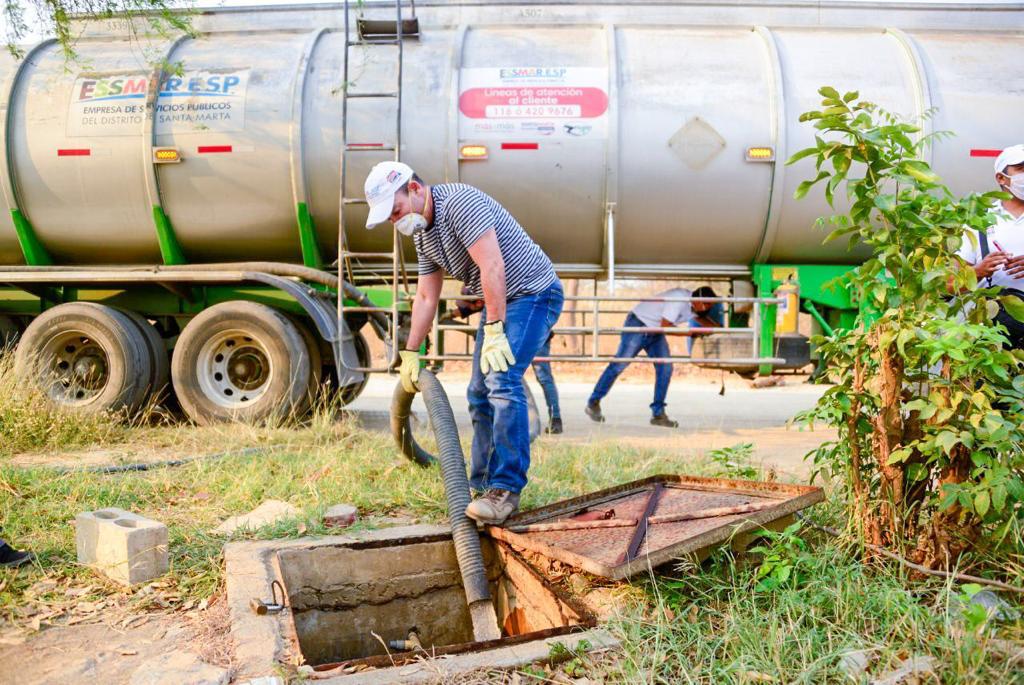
{"x":493,"y":507}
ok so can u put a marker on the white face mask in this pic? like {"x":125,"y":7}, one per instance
{"x":1016,"y":186}
{"x":411,"y":224}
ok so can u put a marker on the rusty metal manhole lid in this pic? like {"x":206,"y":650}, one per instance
{"x":632,"y":527}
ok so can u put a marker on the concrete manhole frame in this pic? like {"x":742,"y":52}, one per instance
{"x":263,"y":642}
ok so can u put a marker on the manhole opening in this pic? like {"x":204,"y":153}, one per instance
{"x":343,"y":597}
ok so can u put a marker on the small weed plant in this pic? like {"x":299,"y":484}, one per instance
{"x":734,"y":462}
{"x":785,"y":559}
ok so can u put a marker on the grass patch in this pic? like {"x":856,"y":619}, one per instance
{"x":28,"y":421}
{"x":712,"y":625}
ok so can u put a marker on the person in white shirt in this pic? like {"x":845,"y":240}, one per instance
{"x":656,"y":314}
{"x":998,"y":256}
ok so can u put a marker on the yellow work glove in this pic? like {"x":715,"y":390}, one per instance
{"x":409,"y":370}
{"x":495,"y":354}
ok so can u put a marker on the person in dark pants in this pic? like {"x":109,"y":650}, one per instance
{"x":547,"y":383}
{"x":12,"y":558}
{"x":654,"y":314}
{"x":461,"y":231}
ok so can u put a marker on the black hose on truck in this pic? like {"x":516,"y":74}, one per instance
{"x":456,"y":488}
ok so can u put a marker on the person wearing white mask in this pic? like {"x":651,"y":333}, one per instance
{"x":998,"y":255}
{"x":461,"y":231}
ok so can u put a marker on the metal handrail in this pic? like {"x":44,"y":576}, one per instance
{"x":587,"y":330}
{"x":740,"y":361}
{"x":596,"y":330}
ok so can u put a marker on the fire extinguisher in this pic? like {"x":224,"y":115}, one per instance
{"x":786,"y":314}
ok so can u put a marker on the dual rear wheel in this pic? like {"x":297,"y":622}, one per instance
{"x":235,"y":361}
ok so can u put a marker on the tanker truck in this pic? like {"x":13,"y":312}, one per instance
{"x":187,"y":210}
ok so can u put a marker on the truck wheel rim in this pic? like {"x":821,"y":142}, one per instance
{"x":234,"y":369}
{"x":77,"y":366}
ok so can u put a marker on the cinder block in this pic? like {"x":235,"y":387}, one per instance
{"x":124,"y":546}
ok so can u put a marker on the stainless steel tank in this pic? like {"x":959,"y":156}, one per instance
{"x":642,"y":108}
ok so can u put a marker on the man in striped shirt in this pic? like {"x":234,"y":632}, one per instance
{"x":461,"y":231}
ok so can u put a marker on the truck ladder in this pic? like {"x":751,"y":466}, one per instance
{"x":372,"y":35}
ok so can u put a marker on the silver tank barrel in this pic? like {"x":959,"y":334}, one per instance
{"x":646,"y":110}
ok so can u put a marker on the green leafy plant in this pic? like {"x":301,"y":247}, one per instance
{"x":928,"y":403}
{"x":975,"y":615}
{"x":734,"y":461}
{"x":784,"y":559}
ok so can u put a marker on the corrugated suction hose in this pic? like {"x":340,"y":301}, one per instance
{"x":456,"y":488}
{"x":401,"y":428}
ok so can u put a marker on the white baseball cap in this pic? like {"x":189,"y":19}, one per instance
{"x":1008,"y":157}
{"x":382,"y":183}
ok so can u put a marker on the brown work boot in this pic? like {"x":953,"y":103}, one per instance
{"x":664,"y":421}
{"x":493,"y":507}
{"x":594,"y":412}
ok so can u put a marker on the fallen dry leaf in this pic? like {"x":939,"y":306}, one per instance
{"x":128,"y":652}
{"x":41,"y":587}
{"x":134,"y":619}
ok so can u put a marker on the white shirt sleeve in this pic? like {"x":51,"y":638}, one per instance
{"x":969,"y":251}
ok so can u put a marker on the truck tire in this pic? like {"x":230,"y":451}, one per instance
{"x":316,"y":362}
{"x":350,"y":392}
{"x":160,"y":361}
{"x":240,"y":361}
{"x":86,"y":356}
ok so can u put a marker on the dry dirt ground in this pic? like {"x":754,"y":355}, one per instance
{"x":111,"y":644}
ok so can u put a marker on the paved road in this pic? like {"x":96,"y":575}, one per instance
{"x":707,"y":419}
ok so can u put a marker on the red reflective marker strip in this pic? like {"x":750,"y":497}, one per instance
{"x":205,"y":149}
{"x":985,"y":153}
{"x":74,"y":152}
{"x":520,"y":146}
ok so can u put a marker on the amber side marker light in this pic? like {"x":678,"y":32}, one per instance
{"x":473,"y":152}
{"x":166,"y":155}
{"x":760,"y":154}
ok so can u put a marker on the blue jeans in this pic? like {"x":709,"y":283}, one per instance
{"x":497,"y":402}
{"x":716,"y":314}
{"x":656,"y":345}
{"x":547,"y":381}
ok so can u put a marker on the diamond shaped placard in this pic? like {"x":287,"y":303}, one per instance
{"x":696,"y":143}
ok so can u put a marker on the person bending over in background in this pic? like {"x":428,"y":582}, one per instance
{"x":655,"y":314}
